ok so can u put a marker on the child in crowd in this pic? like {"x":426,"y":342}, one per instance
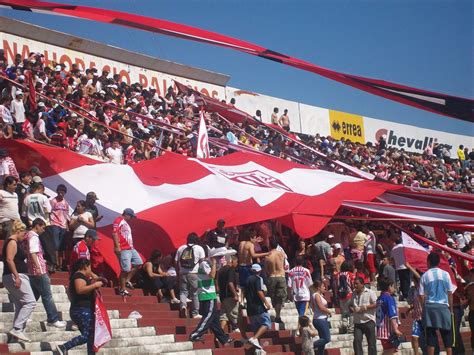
{"x":307,"y":333}
{"x":387,"y":316}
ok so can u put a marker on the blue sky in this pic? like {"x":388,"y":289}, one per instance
{"x":427,"y":44}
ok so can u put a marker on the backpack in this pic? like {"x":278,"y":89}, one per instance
{"x":343,"y":288}
{"x":186,"y":260}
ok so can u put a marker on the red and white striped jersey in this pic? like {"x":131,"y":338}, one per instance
{"x":299,"y":280}
{"x":124,"y":232}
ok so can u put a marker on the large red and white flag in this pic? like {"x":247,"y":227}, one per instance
{"x":202,"y":150}
{"x":417,"y":256}
{"x":174,"y":195}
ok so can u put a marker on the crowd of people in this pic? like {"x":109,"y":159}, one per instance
{"x":95,"y":113}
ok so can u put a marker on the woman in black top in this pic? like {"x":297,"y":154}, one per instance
{"x":16,"y":280}
{"x":81,"y":292}
{"x":156,"y":280}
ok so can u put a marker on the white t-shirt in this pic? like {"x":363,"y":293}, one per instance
{"x":198,"y":255}
{"x":81,"y":229}
{"x":398,"y":257}
{"x":18,"y":110}
{"x":8,"y":206}
{"x":299,"y":280}
{"x":6,"y":115}
{"x":37,"y":206}
{"x":40,"y":129}
{"x":115,"y":155}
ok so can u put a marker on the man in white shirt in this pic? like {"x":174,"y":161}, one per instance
{"x":115,"y":153}
{"x":398,"y":256}
{"x":17,"y":109}
{"x":36,"y":204}
{"x":299,"y":281}
{"x":187,"y":260}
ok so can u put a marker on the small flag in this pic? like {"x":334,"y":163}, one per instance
{"x":202,"y":150}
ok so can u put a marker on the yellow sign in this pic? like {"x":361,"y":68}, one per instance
{"x":347,"y":126}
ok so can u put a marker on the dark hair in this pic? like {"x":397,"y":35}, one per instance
{"x":317,"y":283}
{"x":61,"y":187}
{"x":24,"y":174}
{"x":347,"y":266}
{"x":8,"y":181}
{"x":80,"y":264}
{"x":273,"y":242}
{"x":193,"y":238}
{"x":82,"y":203}
{"x":155,"y":255}
{"x":38,"y":222}
{"x":360,"y":279}
{"x":303,"y":321}
{"x":385,"y":283}
{"x":433,"y":259}
{"x":300,"y":260}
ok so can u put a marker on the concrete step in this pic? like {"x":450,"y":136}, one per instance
{"x":117,"y":343}
{"x":54,"y":289}
{"x":58,"y":297}
{"x":7,"y":317}
{"x":60,"y":306}
{"x":42,"y":325}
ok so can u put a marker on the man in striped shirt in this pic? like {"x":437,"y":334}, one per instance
{"x":436,"y":296}
{"x":38,"y":272}
{"x":299,"y":281}
{"x":208,"y":303}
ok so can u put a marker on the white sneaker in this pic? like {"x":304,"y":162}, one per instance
{"x":74,"y":327}
{"x":58,"y":324}
{"x":174,"y":301}
{"x":188,"y":300}
{"x":255,"y":343}
{"x":19,"y":335}
{"x":197,"y":316}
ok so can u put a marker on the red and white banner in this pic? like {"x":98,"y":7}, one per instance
{"x":102,"y":328}
{"x":202,"y":149}
{"x":417,"y":256}
{"x":174,"y":195}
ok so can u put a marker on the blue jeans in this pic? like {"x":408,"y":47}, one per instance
{"x":42,"y":288}
{"x":322,"y":326}
{"x":84,"y":319}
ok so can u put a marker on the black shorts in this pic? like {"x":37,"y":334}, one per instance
{"x":432,"y":337}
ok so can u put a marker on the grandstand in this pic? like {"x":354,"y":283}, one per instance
{"x":158,"y":328}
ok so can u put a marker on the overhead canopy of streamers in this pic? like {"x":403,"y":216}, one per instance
{"x":447,"y":105}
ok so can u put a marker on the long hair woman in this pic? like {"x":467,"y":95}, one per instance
{"x":16,"y":281}
{"x":320,"y":317}
{"x":81,"y":292}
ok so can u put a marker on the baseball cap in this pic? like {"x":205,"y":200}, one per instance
{"x":36,"y":170}
{"x":450,"y":240}
{"x":58,"y":68}
{"x":92,"y":195}
{"x":37,"y":179}
{"x":92,"y":233}
{"x":256,"y":267}
{"x":337,"y":246}
{"x":130,"y":212}
{"x":330,"y":236}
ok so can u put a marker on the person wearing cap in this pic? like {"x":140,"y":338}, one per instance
{"x":257,"y":305}
{"x":81,"y":249}
{"x":91,"y":207}
{"x":218,"y":237}
{"x":206,"y":290}
{"x":17,"y":109}
{"x":129,"y":258}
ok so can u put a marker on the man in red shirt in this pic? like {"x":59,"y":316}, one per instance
{"x":81,"y":249}
{"x":129,"y":258}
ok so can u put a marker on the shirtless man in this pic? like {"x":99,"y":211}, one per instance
{"x":274,"y":118}
{"x":246,"y":255}
{"x":284,"y":121}
{"x":276,"y":281}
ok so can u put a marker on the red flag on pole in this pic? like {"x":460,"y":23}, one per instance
{"x":202,"y":150}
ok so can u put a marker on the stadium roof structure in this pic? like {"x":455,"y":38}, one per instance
{"x":46,"y":35}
